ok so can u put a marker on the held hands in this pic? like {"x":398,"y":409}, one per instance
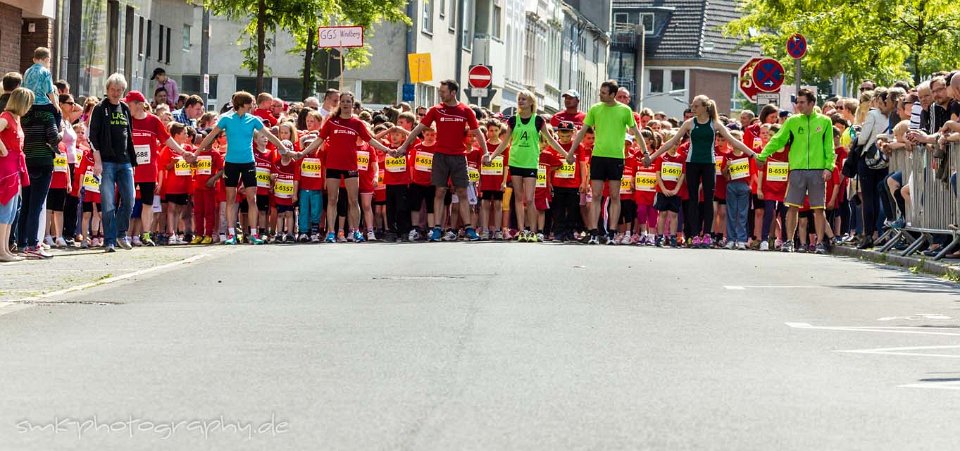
{"x":571,"y":157}
{"x":486,"y":158}
{"x":826,"y":175}
{"x":647,"y":161}
{"x":211,"y":183}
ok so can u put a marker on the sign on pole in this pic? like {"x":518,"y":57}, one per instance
{"x":421,"y":68}
{"x":745,"y":79}
{"x":345,"y":36}
{"x":764,"y":98}
{"x":408,"y":92}
{"x":480,"y":76}
{"x":797,"y":46}
{"x":768,"y":75}
{"x":206,"y":83}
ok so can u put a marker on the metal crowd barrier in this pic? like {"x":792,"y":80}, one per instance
{"x":933,"y":207}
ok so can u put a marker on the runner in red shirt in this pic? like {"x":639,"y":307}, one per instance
{"x":177,"y":175}
{"x":208,"y":170}
{"x":285,"y":176}
{"x":670,"y":176}
{"x":264,"y":110}
{"x":368,"y":167}
{"x":493,"y":180}
{"x":453,"y":121}
{"x":60,"y":185}
{"x":773,"y":190}
{"x":311,"y":181}
{"x":567,"y":181}
{"x":343,"y":131}
{"x":644,"y":194}
{"x":394,"y":176}
{"x":422,"y":190}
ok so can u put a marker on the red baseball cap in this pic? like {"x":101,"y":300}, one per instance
{"x":135,"y":96}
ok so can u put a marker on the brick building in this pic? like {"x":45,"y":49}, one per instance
{"x":24,"y":26}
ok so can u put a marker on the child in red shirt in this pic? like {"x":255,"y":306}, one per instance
{"x":628,"y":206}
{"x":420,"y":161}
{"x":87,"y":186}
{"x":644,"y":193}
{"x":208,"y":170}
{"x":286,"y":179}
{"x":549,"y":162}
{"x":739,"y":169}
{"x":670,"y":176}
{"x":176,"y":174}
{"x":493,"y":180}
{"x":367,"y":166}
{"x":60,"y":185}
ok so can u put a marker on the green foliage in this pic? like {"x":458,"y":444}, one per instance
{"x":883,"y":40}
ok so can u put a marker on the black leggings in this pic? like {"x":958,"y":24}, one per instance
{"x":565,"y":210}
{"x":699,"y":174}
{"x":398,"y":209}
{"x":869,"y":179}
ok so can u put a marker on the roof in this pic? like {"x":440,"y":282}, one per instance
{"x":690,"y":29}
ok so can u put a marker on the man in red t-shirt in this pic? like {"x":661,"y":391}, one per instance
{"x":149,"y":137}
{"x":571,"y":111}
{"x":264,"y":109}
{"x":453,"y":120}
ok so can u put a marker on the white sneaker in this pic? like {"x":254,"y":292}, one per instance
{"x":498,"y":235}
{"x":60,"y":242}
{"x":450,"y":236}
{"x":413,"y":235}
{"x":741,"y":246}
{"x":764,"y":245}
{"x":626,"y":238}
{"x":485,"y":235}
{"x":136,"y":241}
{"x":223,"y":237}
{"x":315,"y":238}
{"x":539,"y":238}
{"x":371,"y":236}
{"x":48,"y":241}
{"x":730,"y":245}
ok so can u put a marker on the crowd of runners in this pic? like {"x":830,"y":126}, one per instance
{"x":125,"y":170}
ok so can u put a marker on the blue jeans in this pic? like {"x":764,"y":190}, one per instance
{"x":738,"y":203}
{"x":31,"y":207}
{"x":116,"y":219}
{"x":311,"y":203}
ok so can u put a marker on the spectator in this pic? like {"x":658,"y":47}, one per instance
{"x":876,"y":123}
{"x":12,"y":168}
{"x":181,"y":100}
{"x":41,"y":136}
{"x":114,"y":159}
{"x":62,"y":87}
{"x":264,"y":103}
{"x":191,"y":111}
{"x":11,"y":81}
{"x":167,"y":83}
{"x":38,"y":79}
{"x":330,"y":101}
{"x":160,"y":97}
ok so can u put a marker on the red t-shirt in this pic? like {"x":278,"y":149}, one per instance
{"x":341,"y":136}
{"x":452,"y":123}
{"x":85,"y":170}
{"x":568,"y":175}
{"x":668,"y":166}
{"x":395,"y":170}
{"x":421,"y":164}
{"x":773,"y":177}
{"x":644,"y":183}
{"x":720,"y":192}
{"x":284,"y":186}
{"x":626,"y":180}
{"x":549,"y":161}
{"x":61,"y":172}
{"x":368,"y":167}
{"x":563,"y":116}
{"x":149,"y":136}
{"x":474,"y":158}
{"x":209,"y":163}
{"x":179,"y":177}
{"x":267,"y":116}
{"x":264,"y":162}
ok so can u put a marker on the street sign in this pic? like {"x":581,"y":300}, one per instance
{"x":768,"y":75}
{"x":206,"y":83}
{"x":408,"y":92}
{"x":340,"y":37}
{"x":421,"y":68}
{"x":478,"y":92}
{"x":797,"y":46}
{"x":764,"y":98}
{"x":745,"y":79}
{"x":480,"y":76}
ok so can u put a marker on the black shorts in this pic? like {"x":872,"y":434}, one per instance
{"x":55,"y":199}
{"x":418,"y":194}
{"x":606,"y":168}
{"x":378,"y":203}
{"x":341,"y":202}
{"x":491,"y":195}
{"x":177,"y":199}
{"x":147,"y":191}
{"x":337,"y":174}
{"x":284,"y":209}
{"x":628,"y":211}
{"x":234,"y":173}
{"x":87,"y":207}
{"x":452,"y":168}
{"x":720,"y":201}
{"x":523,"y":172}
{"x":667,"y":203}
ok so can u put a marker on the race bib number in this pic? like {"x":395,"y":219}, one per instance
{"x":181,"y":168}
{"x":284,"y":188}
{"x":310,"y":168}
{"x":204,"y":165}
{"x":263,"y":177}
{"x":646,"y":181}
{"x":566,"y":171}
{"x":739,"y":168}
{"x":777,"y":171}
{"x":363,"y":160}
{"x":90,"y":182}
{"x":473,"y":174}
{"x":398,"y":164}
{"x":626,"y":184}
{"x":380,"y":184}
{"x":719,"y":166}
{"x":671,"y":171}
{"x":423,"y":162}
{"x":495,"y":167}
{"x":60,"y":163}
{"x":541,"y":176}
{"x":143,"y":153}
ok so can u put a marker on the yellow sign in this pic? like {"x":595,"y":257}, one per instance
{"x":777,"y":171}
{"x":541,"y":176}
{"x":473,"y":174}
{"x":626,"y":184}
{"x":423,"y":162}
{"x":739,"y":168}
{"x":421,"y":67}
{"x":398,"y":164}
{"x":90,"y":182}
{"x":60,"y":163}
{"x":181,"y":168}
{"x":363,"y":160}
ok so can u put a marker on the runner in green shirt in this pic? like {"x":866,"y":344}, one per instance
{"x":609,"y":120}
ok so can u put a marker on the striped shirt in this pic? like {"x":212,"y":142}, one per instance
{"x":40,"y":138}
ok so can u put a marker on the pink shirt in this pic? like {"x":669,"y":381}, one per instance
{"x":13,"y":166}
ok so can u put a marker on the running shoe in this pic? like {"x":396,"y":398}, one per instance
{"x":435,"y":234}
{"x":522,"y":236}
{"x":802,"y":249}
{"x":135,"y":241}
{"x":341,"y":238}
{"x":820,"y":249}
{"x":146,"y":240}
{"x":110,"y":249}
{"x":787,"y":246}
{"x":658,"y":241}
{"x":450,"y":236}
{"x":731,"y":245}
{"x":673,"y":241}
{"x":371,"y":236}
{"x":414,"y":235}
{"x":471,"y":234}
{"x":207,"y":240}
{"x":485,"y":236}
{"x":765,"y":246}
{"x":741,"y":246}
{"x":48,"y":240}
{"x":331,"y":238}
{"x":36,"y":252}
{"x":695,"y":244}
{"x":539,"y":238}
{"x":125,"y":243}
{"x":357,"y":236}
{"x":498,"y":235}
{"x":594,"y":239}
{"x":315,"y":238}
{"x":85,"y":243}
{"x":196,"y":240}
{"x":706,"y":242}
{"x":255,"y":240}
{"x":230,"y":241}
{"x":627,"y":239}
{"x":60,"y":242}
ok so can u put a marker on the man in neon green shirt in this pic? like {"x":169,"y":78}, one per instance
{"x":610,"y":120}
{"x":812,"y":159}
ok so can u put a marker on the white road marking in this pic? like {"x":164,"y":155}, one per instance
{"x":892,"y":330}
{"x":903,"y":351}
{"x":950,"y":385}
{"x":20,"y":304}
{"x":916,"y":317}
{"x":744,"y":287}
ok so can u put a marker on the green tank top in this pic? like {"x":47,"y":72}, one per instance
{"x":525,"y":143}
{"x":702,"y":140}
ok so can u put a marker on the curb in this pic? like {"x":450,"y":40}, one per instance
{"x":940,"y":268}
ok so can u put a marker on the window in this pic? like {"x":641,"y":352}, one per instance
{"x":149,"y":36}
{"x":168,"y":45}
{"x":619,"y":18}
{"x":289,"y":89}
{"x":497,"y":12}
{"x":466,"y":26}
{"x":427,"y":16}
{"x":656,"y":80}
{"x":193,"y":84}
{"x":378,"y":92}
{"x":186,"y":37}
{"x":443,"y":8}
{"x":140,"y":39}
{"x":678,"y":80}
{"x":452,"y":23}
{"x":160,"y":38}
{"x":646,"y":19}
{"x":248,"y":84}
{"x":426,"y":95}
{"x":127,"y":55}
{"x":113,"y":35}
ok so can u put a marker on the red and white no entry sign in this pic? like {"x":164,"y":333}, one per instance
{"x":480,"y":76}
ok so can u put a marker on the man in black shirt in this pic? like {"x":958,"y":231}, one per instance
{"x":111,"y":137}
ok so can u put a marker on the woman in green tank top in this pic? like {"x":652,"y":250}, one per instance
{"x":700,"y":169}
{"x":525,"y":130}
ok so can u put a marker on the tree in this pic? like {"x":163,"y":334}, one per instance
{"x":300,"y":17}
{"x":883,"y":40}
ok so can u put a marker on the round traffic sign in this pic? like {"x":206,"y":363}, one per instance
{"x":480,"y":76}
{"x":796,"y":46}
{"x":768,"y":75}
{"x":745,"y":79}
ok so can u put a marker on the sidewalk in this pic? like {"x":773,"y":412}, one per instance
{"x":946,"y":268}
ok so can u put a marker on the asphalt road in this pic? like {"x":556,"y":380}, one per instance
{"x":487,"y":346}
